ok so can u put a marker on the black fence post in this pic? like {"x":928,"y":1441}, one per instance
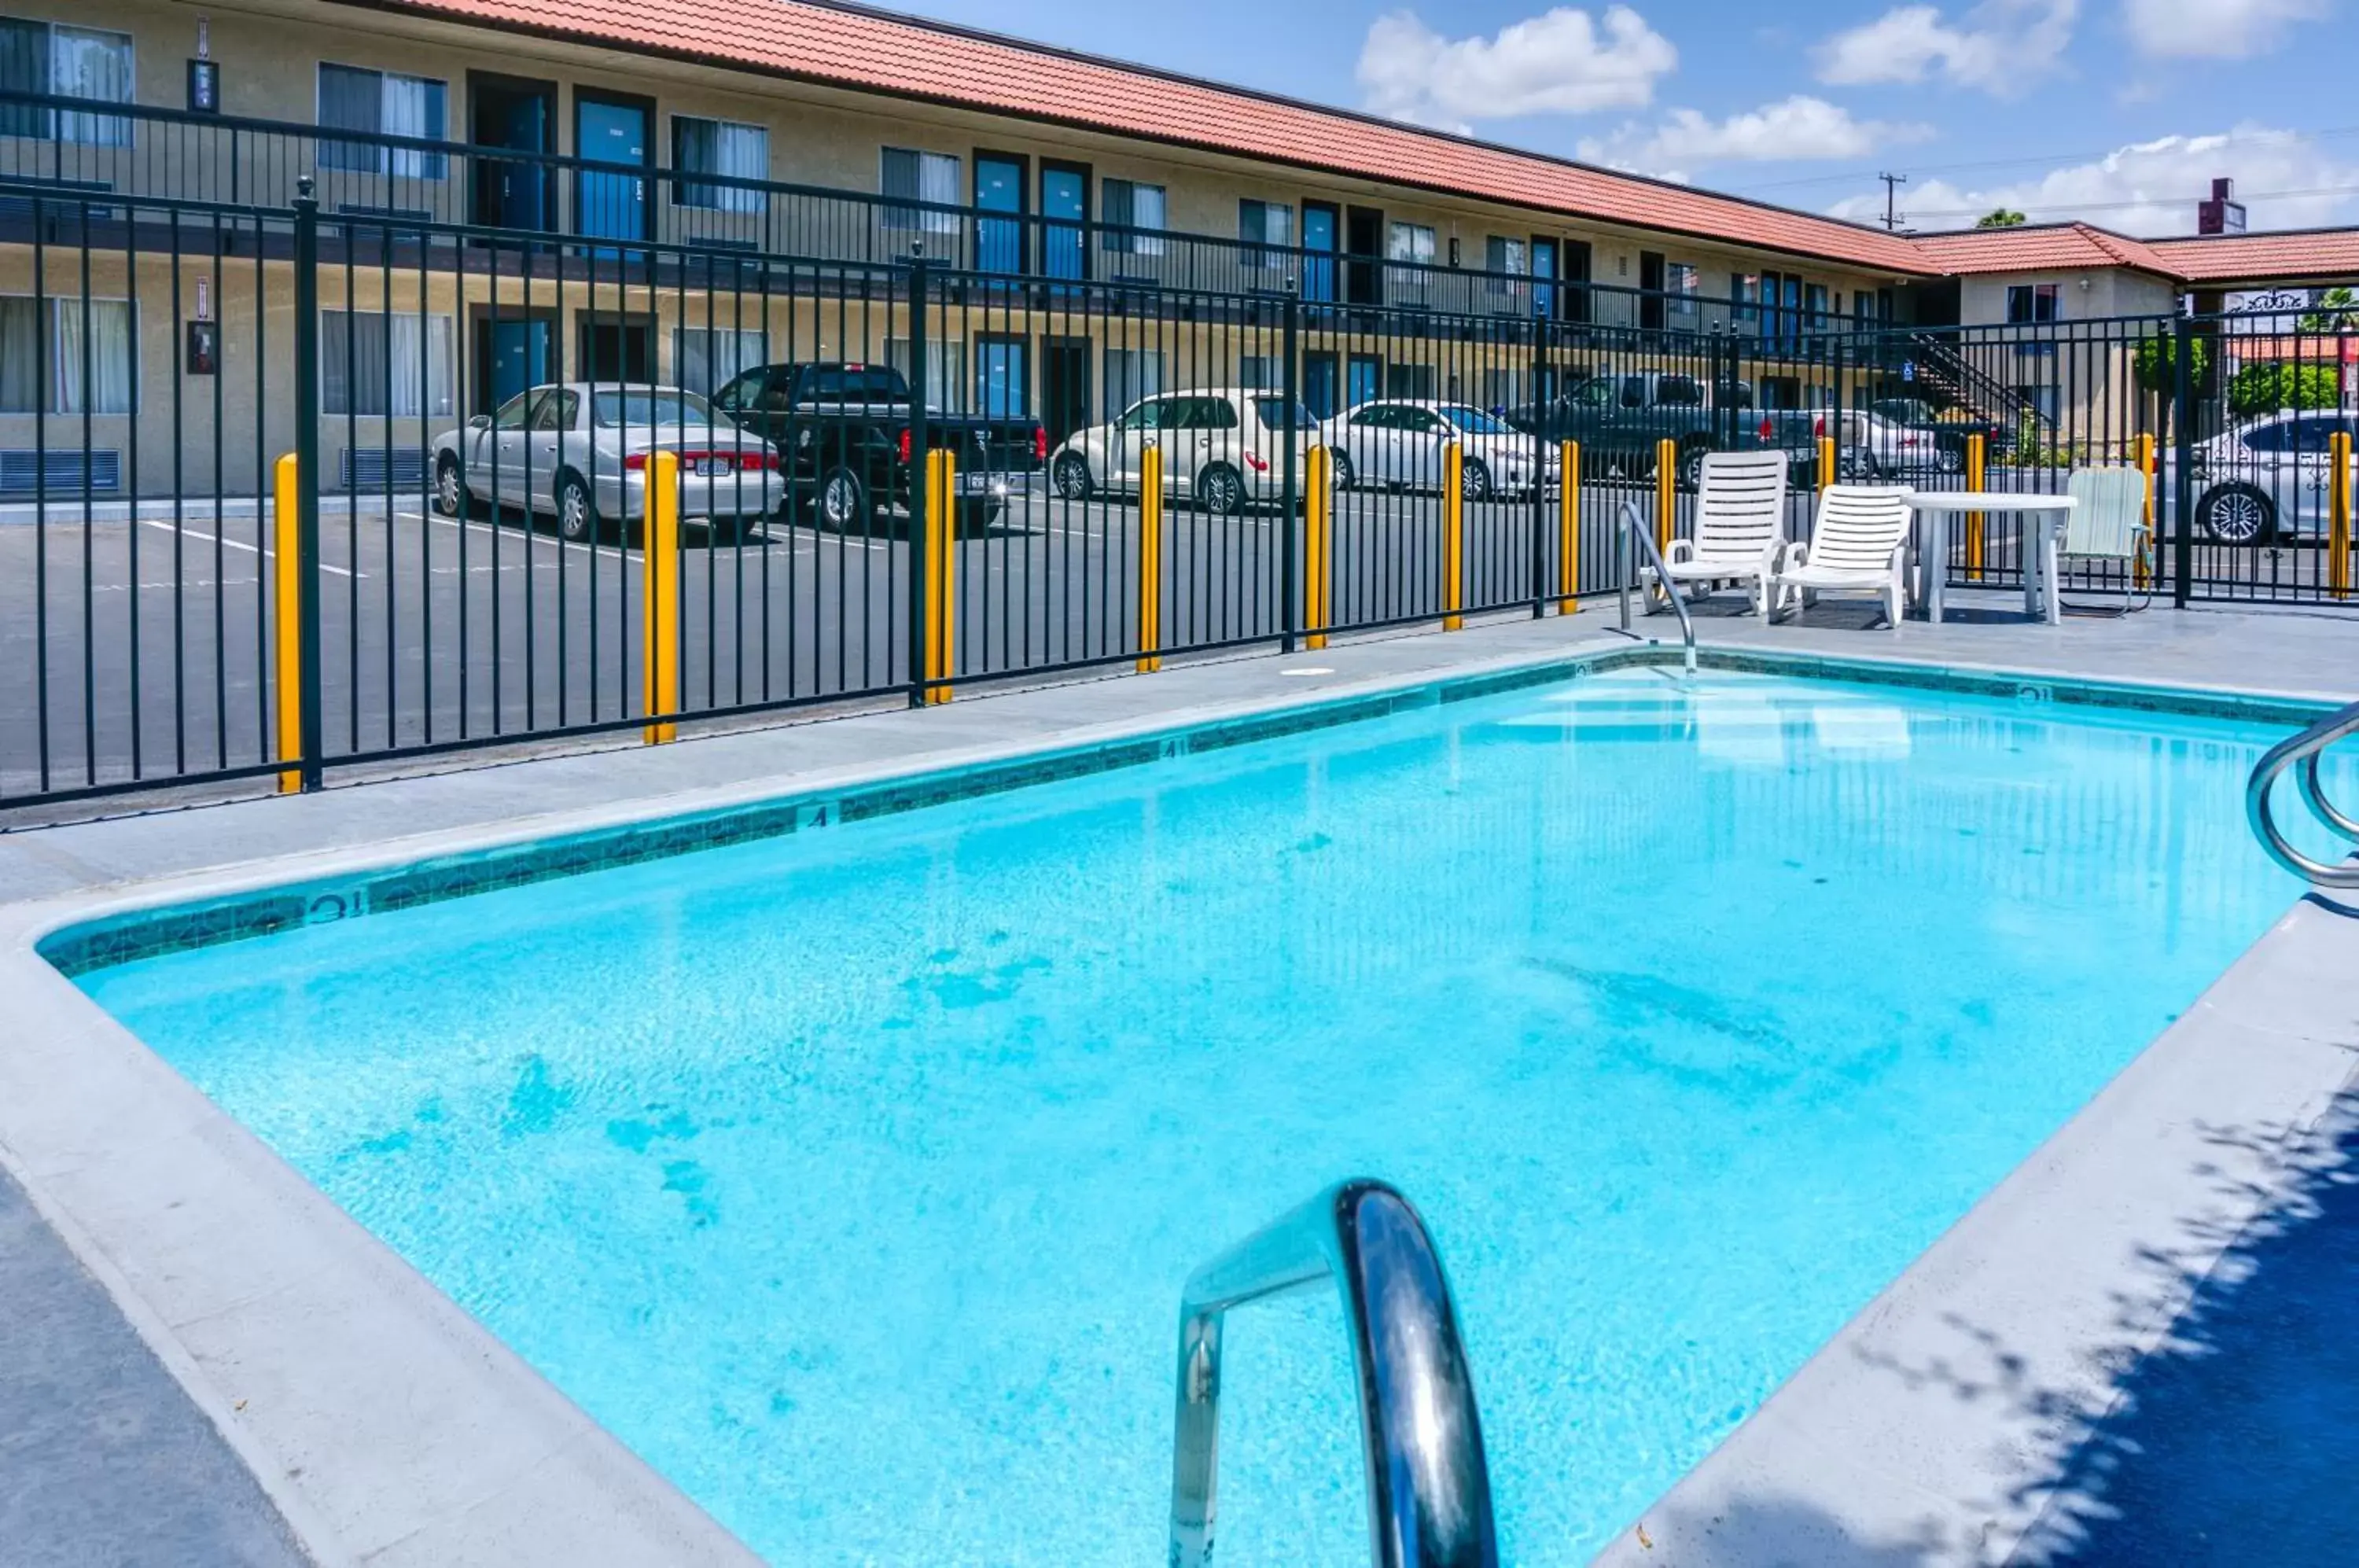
{"x":1291,"y":532}
{"x":919,"y":469}
{"x":1539,"y":471}
{"x":306,"y":472}
{"x":2182,"y":485}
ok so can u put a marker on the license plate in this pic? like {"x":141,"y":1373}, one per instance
{"x":711,"y":467}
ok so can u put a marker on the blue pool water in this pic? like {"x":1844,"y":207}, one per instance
{"x":851,"y":1177}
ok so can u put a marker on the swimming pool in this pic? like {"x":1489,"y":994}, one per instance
{"x":850,"y":1177}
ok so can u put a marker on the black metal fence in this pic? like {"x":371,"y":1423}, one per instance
{"x":478,"y":413}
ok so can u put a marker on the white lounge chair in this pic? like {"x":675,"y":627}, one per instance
{"x":2107,"y":522}
{"x":1859,"y":544}
{"x":1740,"y":524}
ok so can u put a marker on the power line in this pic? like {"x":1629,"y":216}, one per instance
{"x":2148,"y":201}
{"x":1852,"y":176}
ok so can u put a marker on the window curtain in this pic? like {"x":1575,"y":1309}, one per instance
{"x":350,"y":100}
{"x":922,"y":177}
{"x":20,"y":353}
{"x":87,"y":63}
{"x":1132,"y":374}
{"x":412,"y":106}
{"x":705,"y":359}
{"x":945,"y":371}
{"x":105,"y":328}
{"x":720,"y":147}
{"x":23,"y":67}
{"x":370,"y":364}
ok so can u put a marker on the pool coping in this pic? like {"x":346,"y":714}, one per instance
{"x":387,"y":1424}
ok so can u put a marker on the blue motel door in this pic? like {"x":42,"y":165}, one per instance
{"x":608,"y":205}
{"x":999,"y":242}
{"x":519,"y":357}
{"x":1065,"y":208}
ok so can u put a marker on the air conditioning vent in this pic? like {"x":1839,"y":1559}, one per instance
{"x":25,"y":472}
{"x":366,"y":468}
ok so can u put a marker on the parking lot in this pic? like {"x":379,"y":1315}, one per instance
{"x":145,"y":652}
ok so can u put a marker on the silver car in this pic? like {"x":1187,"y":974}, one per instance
{"x":2267,"y":479}
{"x":579,"y":451}
{"x":1400,"y":442}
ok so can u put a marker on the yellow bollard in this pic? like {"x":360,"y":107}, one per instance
{"x":1150,"y":558}
{"x":1667,"y":479}
{"x":1826,"y":462}
{"x":1454,"y":530}
{"x":1975,"y":452}
{"x":1568,"y":528}
{"x":659,"y":607}
{"x":2151,"y":562}
{"x":1318,"y":500}
{"x":287,"y":584}
{"x":942,"y":542}
{"x":2338,"y":514}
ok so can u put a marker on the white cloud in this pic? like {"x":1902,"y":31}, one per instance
{"x":2151,"y":188}
{"x":1556,"y":64}
{"x":2214,"y":29}
{"x":2001,"y":48}
{"x":1801,"y":127}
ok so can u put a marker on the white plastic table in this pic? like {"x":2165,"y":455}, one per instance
{"x":2043,"y":595}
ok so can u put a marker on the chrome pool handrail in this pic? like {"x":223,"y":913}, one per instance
{"x":2303,"y":752}
{"x":1632,"y":524}
{"x":1429,"y":1485}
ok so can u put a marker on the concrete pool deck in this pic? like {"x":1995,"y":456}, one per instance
{"x":387,"y":1427}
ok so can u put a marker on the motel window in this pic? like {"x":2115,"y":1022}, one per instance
{"x":1408,"y":243}
{"x":927,"y":177}
{"x":1130,"y":206}
{"x":1264,"y":224}
{"x":945,"y":371}
{"x":1814,"y":304}
{"x":705,"y":358}
{"x":1261,"y":372}
{"x":1504,"y":259}
{"x":385,"y":104}
{"x":724,"y":148}
{"x":371,"y":363}
{"x":65,"y":62}
{"x":1682,"y":282}
{"x":89,"y":352}
{"x":1003,"y":383}
{"x":2031,"y":304}
{"x":1132,"y":374}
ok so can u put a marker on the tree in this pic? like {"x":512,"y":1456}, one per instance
{"x":1999,"y":218}
{"x":2266,"y":389}
{"x":2153,"y":363}
{"x":2335,"y":310}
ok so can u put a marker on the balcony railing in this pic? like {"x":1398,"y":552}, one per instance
{"x":143,"y":151}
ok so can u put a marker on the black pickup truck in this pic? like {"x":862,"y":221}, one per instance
{"x":845,"y":430}
{"x":1621,"y":420}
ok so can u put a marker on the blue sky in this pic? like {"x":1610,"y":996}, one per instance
{"x":2116,"y":111}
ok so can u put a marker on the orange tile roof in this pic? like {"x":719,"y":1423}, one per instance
{"x":2036,"y":248}
{"x":2299,"y":253}
{"x":847,"y":46}
{"x":865,"y":49}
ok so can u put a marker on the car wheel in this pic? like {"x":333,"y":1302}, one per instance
{"x":2237,"y":514}
{"x":1475,"y":480}
{"x":577,"y":515}
{"x":450,"y":495}
{"x":1691,"y":467}
{"x":1340,"y":466}
{"x":1949,"y":459}
{"x":1072,"y":478}
{"x":842,"y":501}
{"x":1220,"y":492}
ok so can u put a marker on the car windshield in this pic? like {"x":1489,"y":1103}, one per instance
{"x":1475,"y":422}
{"x":652,"y":406}
{"x":1274,"y":415}
{"x":855,"y":384}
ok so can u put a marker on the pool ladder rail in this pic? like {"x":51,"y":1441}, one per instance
{"x":1632,"y":525}
{"x":1429,"y":1485}
{"x":2301,"y":753}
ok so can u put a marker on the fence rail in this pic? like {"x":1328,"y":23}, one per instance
{"x":480,"y":417}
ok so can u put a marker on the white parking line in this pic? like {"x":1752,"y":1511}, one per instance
{"x":187,"y":532}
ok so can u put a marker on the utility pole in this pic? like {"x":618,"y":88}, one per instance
{"x":1892,"y":184}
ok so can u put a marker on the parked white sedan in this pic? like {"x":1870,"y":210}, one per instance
{"x":2265,"y":479}
{"x":579,"y":452}
{"x":1222,"y":447}
{"x":1399,"y":442}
